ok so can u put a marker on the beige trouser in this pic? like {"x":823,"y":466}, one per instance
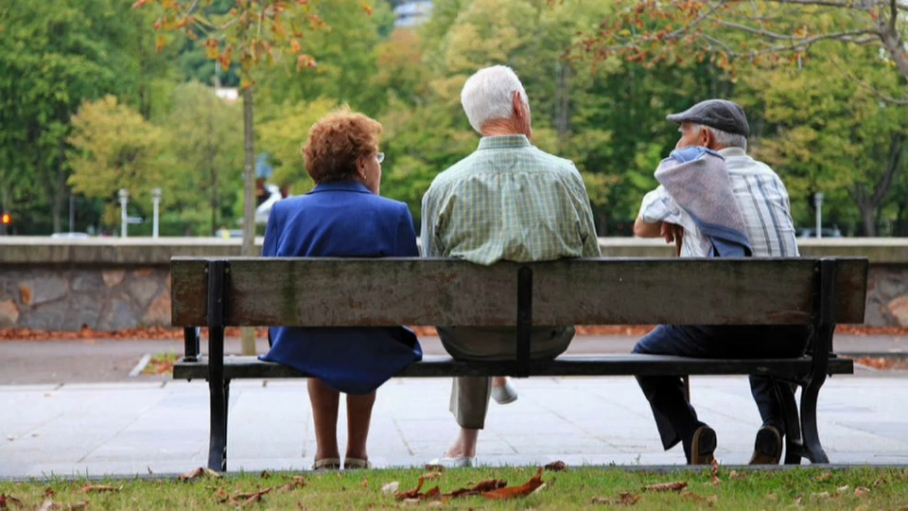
{"x":469,"y":394}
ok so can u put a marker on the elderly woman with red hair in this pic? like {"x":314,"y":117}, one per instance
{"x":343,"y":216}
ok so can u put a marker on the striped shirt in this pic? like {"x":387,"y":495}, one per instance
{"x":761,"y":197}
{"x":508,"y":201}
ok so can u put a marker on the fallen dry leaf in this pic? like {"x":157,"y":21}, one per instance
{"x":297,"y":482}
{"x":825,"y":476}
{"x":242,"y":499}
{"x":390,"y":487}
{"x":431,"y":475}
{"x":879,"y":482}
{"x":434,"y":493}
{"x":47,"y":505}
{"x":434,"y":468}
{"x":624,"y":499}
{"x":556,"y":466}
{"x":365,"y":483}
{"x":199,"y":472}
{"x":675,"y":486}
{"x":49,"y":492}
{"x":519,"y":491}
{"x":97,"y":488}
{"x":714,"y":471}
{"x":265,"y":474}
{"x":6,"y":500}
{"x":78,"y":506}
{"x":861,"y":491}
{"x":734,"y":474}
{"x":479,"y":488}
{"x":412,"y":494}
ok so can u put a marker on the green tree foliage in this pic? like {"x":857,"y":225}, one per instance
{"x":207,"y":146}
{"x":113,"y":148}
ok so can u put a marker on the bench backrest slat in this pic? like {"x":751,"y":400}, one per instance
{"x":412,"y":291}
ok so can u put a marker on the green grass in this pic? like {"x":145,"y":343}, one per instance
{"x":585,"y":487}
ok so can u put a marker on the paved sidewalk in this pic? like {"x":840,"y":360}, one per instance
{"x":162,"y":427}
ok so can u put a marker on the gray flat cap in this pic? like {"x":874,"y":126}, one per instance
{"x":721,"y":114}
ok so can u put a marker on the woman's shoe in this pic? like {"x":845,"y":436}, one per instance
{"x":504,"y":394}
{"x":453,"y":462}
{"x":327,"y":464}
{"x":356,"y":464}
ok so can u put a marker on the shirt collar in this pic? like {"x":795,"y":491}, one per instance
{"x":730,"y":152}
{"x":504,"y":142}
{"x":340,"y":186}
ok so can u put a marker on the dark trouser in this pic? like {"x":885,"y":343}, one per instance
{"x":675,"y":417}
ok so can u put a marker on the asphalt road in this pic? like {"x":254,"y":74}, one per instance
{"x":102,"y":360}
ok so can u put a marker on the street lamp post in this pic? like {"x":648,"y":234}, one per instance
{"x":818,"y":203}
{"x":156,"y":199}
{"x":124,"y":200}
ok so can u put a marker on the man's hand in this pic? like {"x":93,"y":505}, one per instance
{"x":671,"y":232}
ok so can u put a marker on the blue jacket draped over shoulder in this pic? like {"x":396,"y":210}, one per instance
{"x":342,"y":219}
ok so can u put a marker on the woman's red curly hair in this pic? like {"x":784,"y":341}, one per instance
{"x":336,"y":141}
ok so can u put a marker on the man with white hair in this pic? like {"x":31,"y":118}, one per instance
{"x":507,"y":201}
{"x":717,"y":129}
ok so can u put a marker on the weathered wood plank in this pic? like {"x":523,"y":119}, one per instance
{"x":379,"y":292}
{"x":188,"y":291}
{"x":568,"y":365}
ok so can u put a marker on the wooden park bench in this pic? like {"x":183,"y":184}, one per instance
{"x":329,"y":292}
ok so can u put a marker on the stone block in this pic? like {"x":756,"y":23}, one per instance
{"x":51,"y":316}
{"x":158,"y":313}
{"x":117,"y":315}
{"x":87,"y":281}
{"x":112,"y":278}
{"x":46,"y":289}
{"x":142,"y":290}
{"x":899,"y":310}
{"x":9,"y":314}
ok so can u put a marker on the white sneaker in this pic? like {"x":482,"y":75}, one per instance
{"x":453,"y":462}
{"x":504,"y":394}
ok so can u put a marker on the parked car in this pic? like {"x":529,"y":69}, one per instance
{"x":827,"y":232}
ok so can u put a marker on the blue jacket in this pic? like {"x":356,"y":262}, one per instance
{"x":342,"y":219}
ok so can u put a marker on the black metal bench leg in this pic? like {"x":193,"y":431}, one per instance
{"x":814,"y":451}
{"x":794,"y":448}
{"x":217,"y":447}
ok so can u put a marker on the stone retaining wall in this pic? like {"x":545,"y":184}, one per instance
{"x":112,"y":284}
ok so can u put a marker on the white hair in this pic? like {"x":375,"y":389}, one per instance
{"x":723,"y":138}
{"x":489,"y":95}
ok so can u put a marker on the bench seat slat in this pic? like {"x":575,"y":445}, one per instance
{"x":413,"y":291}
{"x":567,"y":365}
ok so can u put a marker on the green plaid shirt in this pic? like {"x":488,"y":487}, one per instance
{"x":508,"y":201}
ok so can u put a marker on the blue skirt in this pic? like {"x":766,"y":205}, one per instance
{"x":349,"y":360}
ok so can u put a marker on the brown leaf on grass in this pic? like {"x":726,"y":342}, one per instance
{"x":861,"y":491}
{"x":431,"y":475}
{"x":99,"y":488}
{"x":197,"y":473}
{"x":519,"y":491}
{"x":434,"y":493}
{"x":6,"y":500}
{"x":242,"y":499}
{"x":365,"y":483}
{"x":734,"y":474}
{"x":297,"y":482}
{"x":663,"y":487}
{"x":624,"y":499}
{"x":78,"y":506}
{"x":699,"y":499}
{"x":49,"y":492}
{"x":556,"y":466}
{"x":265,"y":474}
{"x":714,"y":471}
{"x":879,"y":482}
{"x":479,"y":488}
{"x":47,"y":505}
{"x":825,"y":476}
{"x":412,"y":494}
{"x":434,"y":468}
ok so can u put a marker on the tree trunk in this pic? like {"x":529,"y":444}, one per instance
{"x":868,"y":220}
{"x":248,"y":334}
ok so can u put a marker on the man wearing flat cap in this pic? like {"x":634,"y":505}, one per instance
{"x":716,"y":201}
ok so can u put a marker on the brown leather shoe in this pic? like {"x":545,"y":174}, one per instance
{"x":703,"y":446}
{"x":767,"y":447}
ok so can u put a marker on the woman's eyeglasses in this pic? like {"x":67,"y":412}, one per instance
{"x":380,"y":157}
